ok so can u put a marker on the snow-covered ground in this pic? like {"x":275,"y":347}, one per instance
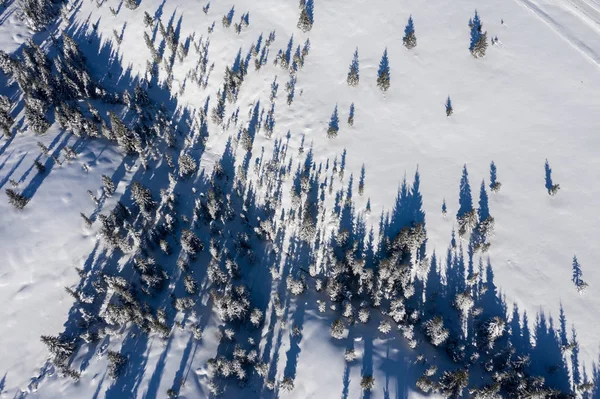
{"x":534,"y":96}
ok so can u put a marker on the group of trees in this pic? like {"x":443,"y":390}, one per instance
{"x":216,"y":246}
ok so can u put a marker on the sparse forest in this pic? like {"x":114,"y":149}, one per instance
{"x":235,"y":234}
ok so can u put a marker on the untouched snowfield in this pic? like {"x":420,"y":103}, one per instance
{"x":535,"y":96}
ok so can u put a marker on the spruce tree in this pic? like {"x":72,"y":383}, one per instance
{"x":494,"y":183}
{"x":409,"y":39}
{"x":383,"y":75}
{"x":131,"y":4}
{"x":306,"y":20}
{"x":449,"y":109}
{"x":478,"y":44}
{"x":353,"y":75}
{"x":334,"y":124}
{"x":109,"y":185}
{"x":484,"y":210}
{"x":361,"y":181}
{"x":466,"y":216}
{"x":16,"y":199}
{"x":351,"y":115}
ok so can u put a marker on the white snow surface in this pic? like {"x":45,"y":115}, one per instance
{"x":535,"y":96}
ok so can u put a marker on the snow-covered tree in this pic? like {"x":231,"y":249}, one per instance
{"x":337,"y":329}
{"x":190,"y":242}
{"x":449,"y":109}
{"x":16,"y":199}
{"x":409,"y":39}
{"x":306,"y":20}
{"x":353,"y":75}
{"x":334,"y":124}
{"x":478,"y":44}
{"x":187,"y":166}
{"x":435,"y":331}
{"x":109,"y":185}
{"x":385,"y":327}
{"x":116,"y":363}
{"x":494,"y":183}
{"x":383,"y":74}
{"x":367,"y":383}
{"x":578,"y":277}
{"x":351,"y":115}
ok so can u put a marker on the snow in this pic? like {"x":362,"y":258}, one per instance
{"x":535,"y":96}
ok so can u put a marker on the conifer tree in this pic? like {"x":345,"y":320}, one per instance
{"x":449,"y":109}
{"x":383,"y":75}
{"x":361,"y":181}
{"x":410,"y":39}
{"x":334,"y":124}
{"x":306,"y":20}
{"x":131,"y":4}
{"x":351,"y":115}
{"x":16,"y":199}
{"x":494,"y":183}
{"x":353,"y":75}
{"x":478,"y":44}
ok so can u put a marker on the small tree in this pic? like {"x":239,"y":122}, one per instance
{"x":353,"y":75}
{"x":383,"y":75}
{"x":109,"y":185}
{"x":444,"y":208}
{"x":131,"y":4}
{"x":16,"y":199}
{"x":494,"y":183}
{"x":478,"y":44}
{"x":306,"y":20}
{"x":550,"y":186}
{"x":409,"y":39}
{"x":367,"y":383}
{"x":337,"y":329}
{"x":334,"y":124}
{"x":351,"y":115}
{"x":449,"y":109}
{"x":361,"y":181}
{"x":577,"y":277}
{"x":116,"y":362}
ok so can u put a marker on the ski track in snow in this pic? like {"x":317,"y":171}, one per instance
{"x":592,"y":15}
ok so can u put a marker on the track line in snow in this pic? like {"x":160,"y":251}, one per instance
{"x":577,"y":43}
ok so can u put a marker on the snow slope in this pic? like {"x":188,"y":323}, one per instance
{"x":534,"y":97}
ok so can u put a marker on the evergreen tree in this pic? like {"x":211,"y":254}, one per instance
{"x":449,"y":109}
{"x":577,"y":277}
{"x":334,"y":124}
{"x":466,"y":216}
{"x":306,"y":20}
{"x":131,"y":4}
{"x":6,"y":120}
{"x":478,"y":44}
{"x":550,"y":186}
{"x":148,"y":20}
{"x":465,"y":199}
{"x":353,"y":75}
{"x":351,"y":115}
{"x":409,"y":39}
{"x":109,"y":185}
{"x":444,"y":208}
{"x":228,"y":18}
{"x":484,"y":211}
{"x":383,"y":75}
{"x":361,"y":181}
{"x":494,"y":183}
{"x":16,"y":199}
{"x":38,"y":13}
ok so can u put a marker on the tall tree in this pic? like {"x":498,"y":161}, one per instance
{"x":409,"y":39}
{"x":353,"y":74}
{"x":383,"y":75}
